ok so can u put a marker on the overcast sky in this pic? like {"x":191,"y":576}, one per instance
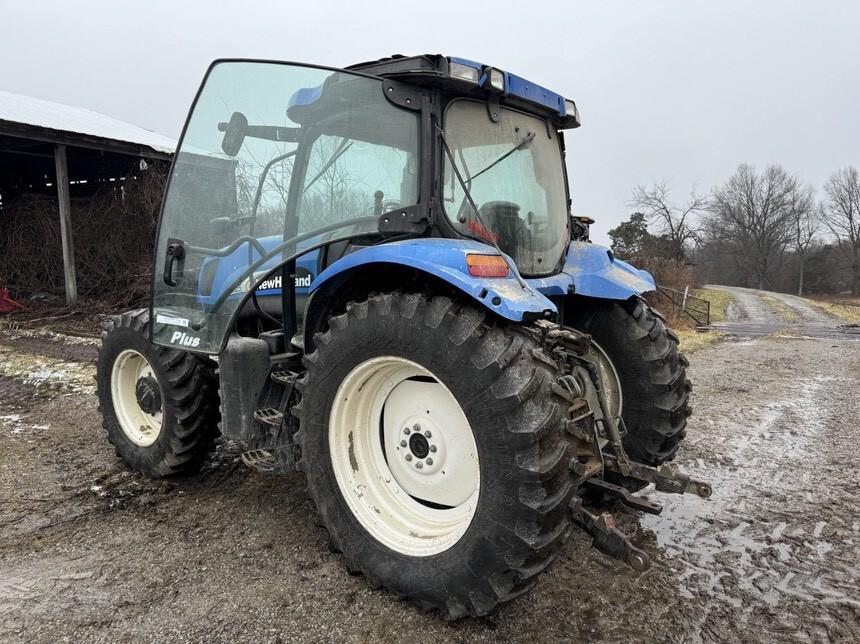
{"x":680,"y":91}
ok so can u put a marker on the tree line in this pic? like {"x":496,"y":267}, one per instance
{"x":764,"y":229}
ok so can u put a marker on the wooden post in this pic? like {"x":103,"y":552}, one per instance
{"x":66,"y":224}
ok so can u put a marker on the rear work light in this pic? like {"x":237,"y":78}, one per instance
{"x":464,"y":72}
{"x":487,"y":266}
{"x":493,"y":79}
{"x":497,"y":79}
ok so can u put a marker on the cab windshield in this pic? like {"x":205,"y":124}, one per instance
{"x":513,"y":169}
{"x":275,"y":160}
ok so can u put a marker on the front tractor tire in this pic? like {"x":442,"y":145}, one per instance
{"x":158,"y":405}
{"x":434,"y":451}
{"x":652,"y":373}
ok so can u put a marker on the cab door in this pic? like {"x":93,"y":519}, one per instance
{"x":275,"y":160}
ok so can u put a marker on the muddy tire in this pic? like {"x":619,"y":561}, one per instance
{"x":651,"y":369}
{"x":158,"y":405}
{"x":479,"y":388}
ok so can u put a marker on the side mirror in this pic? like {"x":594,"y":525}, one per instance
{"x":221,"y":226}
{"x":234,"y":134}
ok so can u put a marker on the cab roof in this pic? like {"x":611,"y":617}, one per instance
{"x":471,"y":78}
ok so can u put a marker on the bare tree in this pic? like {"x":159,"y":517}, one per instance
{"x":334,"y":191}
{"x":805,"y":227}
{"x":676,"y":222}
{"x":841,"y":211}
{"x":753,"y":214}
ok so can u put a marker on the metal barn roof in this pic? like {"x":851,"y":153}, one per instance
{"x":55,"y":118}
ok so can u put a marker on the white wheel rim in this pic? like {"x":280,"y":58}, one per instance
{"x":140,"y":427}
{"x":413,"y":500}
{"x":608,"y":378}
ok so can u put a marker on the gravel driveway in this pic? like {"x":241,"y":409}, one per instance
{"x":91,"y":552}
{"x":754,"y":313}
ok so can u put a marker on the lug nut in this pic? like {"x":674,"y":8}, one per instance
{"x":406,"y":431}
{"x":429,"y":461}
{"x":419,"y":465}
{"x":402,"y":443}
{"x":409,"y":457}
{"x":432,"y":448}
{"x":416,"y":427}
{"x":427,"y":434}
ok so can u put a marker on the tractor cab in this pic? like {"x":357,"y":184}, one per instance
{"x":284,"y":169}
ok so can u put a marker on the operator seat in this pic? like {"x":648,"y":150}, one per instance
{"x":503,"y":218}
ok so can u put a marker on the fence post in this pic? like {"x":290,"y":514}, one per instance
{"x":684,"y":301}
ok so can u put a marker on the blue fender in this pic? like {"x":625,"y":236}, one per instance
{"x":446,"y":259}
{"x":594,"y":272}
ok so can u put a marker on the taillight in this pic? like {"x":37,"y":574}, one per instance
{"x":487,"y":266}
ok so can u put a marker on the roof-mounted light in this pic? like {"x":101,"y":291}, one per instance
{"x":570,"y":109}
{"x":463,"y":72}
{"x":496,"y":79}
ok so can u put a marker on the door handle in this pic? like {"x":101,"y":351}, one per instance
{"x":175,"y":252}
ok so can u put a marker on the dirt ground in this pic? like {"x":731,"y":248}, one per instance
{"x":92,"y":552}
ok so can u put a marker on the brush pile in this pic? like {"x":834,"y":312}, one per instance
{"x":113,"y":232}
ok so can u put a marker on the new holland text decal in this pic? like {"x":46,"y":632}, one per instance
{"x":302,"y":279}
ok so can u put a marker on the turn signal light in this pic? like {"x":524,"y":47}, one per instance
{"x":487,"y":266}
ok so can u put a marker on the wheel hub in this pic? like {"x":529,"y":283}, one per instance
{"x":148,"y":395}
{"x":136,"y":397}
{"x":423,"y":443}
{"x":419,"y":446}
{"x":432,"y":456}
{"x":404,"y":455}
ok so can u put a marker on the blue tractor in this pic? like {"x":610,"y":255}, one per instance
{"x":372,"y":275}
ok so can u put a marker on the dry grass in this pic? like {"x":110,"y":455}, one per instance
{"x":779,"y":308}
{"x":847,"y":309}
{"x":719,"y":300}
{"x":692,"y":340}
{"x":847,"y":300}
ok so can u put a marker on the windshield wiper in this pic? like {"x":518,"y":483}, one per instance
{"x":519,"y":146}
{"x":492,"y":238}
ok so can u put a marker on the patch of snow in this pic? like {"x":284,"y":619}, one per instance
{"x":65,"y":118}
{"x":52,"y":336}
{"x":47,"y":373}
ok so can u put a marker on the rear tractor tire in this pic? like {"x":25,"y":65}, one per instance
{"x":434,"y":451}
{"x":652,"y":373}
{"x":158,"y":405}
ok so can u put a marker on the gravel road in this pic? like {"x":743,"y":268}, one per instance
{"x":92,"y":552}
{"x":753,"y":313}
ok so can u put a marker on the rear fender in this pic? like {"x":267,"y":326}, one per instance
{"x":444,"y":259}
{"x":596,"y":273}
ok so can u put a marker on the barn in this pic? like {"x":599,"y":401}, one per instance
{"x":63,"y":157}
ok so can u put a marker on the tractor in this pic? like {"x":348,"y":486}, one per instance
{"x":373,"y":275}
